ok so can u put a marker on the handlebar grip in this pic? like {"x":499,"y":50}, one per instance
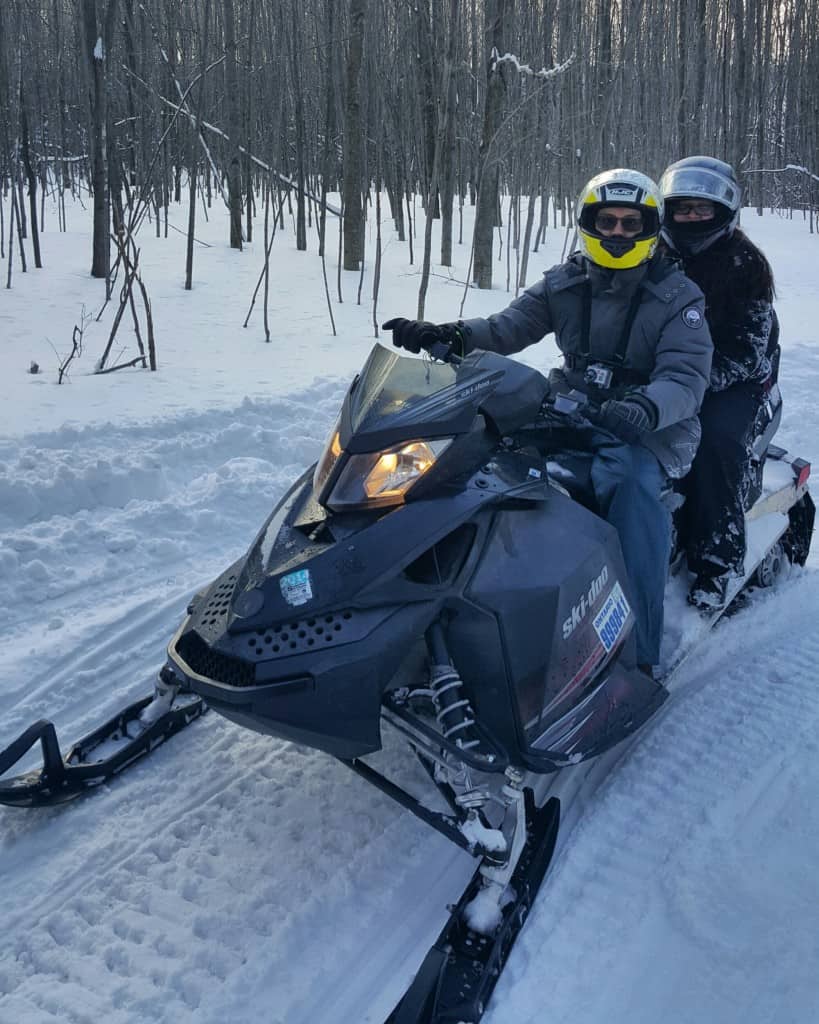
{"x":442,"y":351}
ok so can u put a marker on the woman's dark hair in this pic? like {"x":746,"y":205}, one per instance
{"x":729,"y":289}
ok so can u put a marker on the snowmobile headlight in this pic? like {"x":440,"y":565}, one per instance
{"x":383,"y":478}
{"x":328,"y":460}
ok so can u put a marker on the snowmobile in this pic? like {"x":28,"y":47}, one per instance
{"x":429,"y":574}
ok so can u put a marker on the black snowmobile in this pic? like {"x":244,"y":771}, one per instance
{"x":430,"y":575}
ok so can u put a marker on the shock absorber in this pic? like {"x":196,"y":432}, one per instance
{"x":452,"y":707}
{"x":457,"y":721}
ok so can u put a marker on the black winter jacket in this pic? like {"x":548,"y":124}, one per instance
{"x":735,"y":279}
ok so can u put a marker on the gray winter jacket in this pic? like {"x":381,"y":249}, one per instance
{"x":666,"y":354}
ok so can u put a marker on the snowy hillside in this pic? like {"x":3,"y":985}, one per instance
{"x":237,"y":878}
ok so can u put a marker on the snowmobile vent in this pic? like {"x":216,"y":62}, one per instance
{"x":212,"y":615}
{"x":221,"y":668}
{"x":298,"y":637}
{"x":443,"y":561}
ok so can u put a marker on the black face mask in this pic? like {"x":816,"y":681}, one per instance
{"x":692,"y":237}
{"x":618,"y":247}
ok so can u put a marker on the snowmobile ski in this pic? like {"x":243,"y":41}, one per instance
{"x":459,"y":973}
{"x":133,"y":732}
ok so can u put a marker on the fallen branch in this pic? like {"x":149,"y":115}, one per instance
{"x":76,"y":346}
{"x":123,"y":366}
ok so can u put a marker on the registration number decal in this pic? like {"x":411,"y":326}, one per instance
{"x":611,"y":618}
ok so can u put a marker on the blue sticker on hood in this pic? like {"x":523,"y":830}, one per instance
{"x":297,"y":587}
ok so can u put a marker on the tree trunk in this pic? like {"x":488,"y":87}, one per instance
{"x":234,"y":128}
{"x":31,"y":178}
{"x":301,"y":226}
{"x":97,"y":42}
{"x":191,"y":220}
{"x":449,"y":156}
{"x":353,"y":157}
{"x":486,"y":213}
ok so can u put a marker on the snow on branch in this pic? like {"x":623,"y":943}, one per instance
{"x":525,"y":69}
{"x":802,"y":170}
{"x":779,"y":170}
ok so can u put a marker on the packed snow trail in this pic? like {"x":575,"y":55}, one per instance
{"x":691,"y":874}
{"x":237,"y":877}
{"x":96,"y":540}
{"x":158,"y":894}
{"x":234,"y":877}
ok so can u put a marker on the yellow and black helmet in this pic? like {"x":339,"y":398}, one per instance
{"x":620,"y":187}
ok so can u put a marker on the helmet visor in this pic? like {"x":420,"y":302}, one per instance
{"x":700,"y":183}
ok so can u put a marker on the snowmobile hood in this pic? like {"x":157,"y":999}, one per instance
{"x":304,"y":561}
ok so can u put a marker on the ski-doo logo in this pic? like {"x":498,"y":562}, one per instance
{"x":472,"y":389}
{"x":580,"y":609}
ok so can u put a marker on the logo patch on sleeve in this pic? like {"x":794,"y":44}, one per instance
{"x":692,"y":317}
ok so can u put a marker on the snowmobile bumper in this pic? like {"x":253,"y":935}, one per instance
{"x":317,"y":697}
{"x":102,"y":754}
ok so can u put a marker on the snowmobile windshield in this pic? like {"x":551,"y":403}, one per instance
{"x":393,"y":389}
{"x":404,"y":396}
{"x":401,"y":414}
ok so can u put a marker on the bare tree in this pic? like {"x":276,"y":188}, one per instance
{"x":317,"y":97}
{"x":98,"y":20}
{"x":234,"y":174}
{"x":353,"y":154}
{"x":486,"y":216}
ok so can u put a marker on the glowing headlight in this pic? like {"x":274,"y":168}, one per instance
{"x":329,"y":457}
{"x":383,"y":478}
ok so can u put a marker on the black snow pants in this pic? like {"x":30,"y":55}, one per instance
{"x":713,"y":516}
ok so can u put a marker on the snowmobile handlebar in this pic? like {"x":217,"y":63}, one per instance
{"x":569,"y":405}
{"x":443,"y":351}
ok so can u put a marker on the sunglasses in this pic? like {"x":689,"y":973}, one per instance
{"x":698,"y":209}
{"x":632,"y":223}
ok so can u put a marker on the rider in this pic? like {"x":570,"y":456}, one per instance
{"x":633,"y":335}
{"x":702,"y":204}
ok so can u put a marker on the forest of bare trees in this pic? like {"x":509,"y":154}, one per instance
{"x":256,"y":102}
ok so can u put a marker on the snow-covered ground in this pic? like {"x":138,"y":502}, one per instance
{"x":236,"y":878}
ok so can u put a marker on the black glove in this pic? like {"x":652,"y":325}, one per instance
{"x":629,"y":418}
{"x":558,"y":382}
{"x":414,"y":335}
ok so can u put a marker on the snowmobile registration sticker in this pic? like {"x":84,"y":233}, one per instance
{"x":297,"y":587}
{"x":611,"y":618}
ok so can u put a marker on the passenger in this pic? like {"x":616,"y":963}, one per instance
{"x":633,"y":335}
{"x":702,"y":205}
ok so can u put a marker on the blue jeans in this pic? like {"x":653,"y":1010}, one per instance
{"x":626,"y":483}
